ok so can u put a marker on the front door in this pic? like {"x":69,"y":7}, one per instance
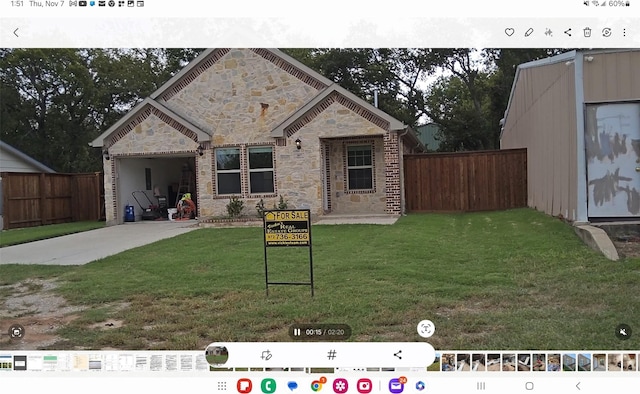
{"x":613,"y":160}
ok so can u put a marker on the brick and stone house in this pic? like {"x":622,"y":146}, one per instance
{"x":257,"y":124}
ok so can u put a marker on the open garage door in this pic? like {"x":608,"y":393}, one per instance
{"x":145,"y":180}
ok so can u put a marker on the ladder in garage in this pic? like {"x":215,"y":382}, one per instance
{"x":185,"y":184}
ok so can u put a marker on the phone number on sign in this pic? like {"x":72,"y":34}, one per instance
{"x":287,"y":237}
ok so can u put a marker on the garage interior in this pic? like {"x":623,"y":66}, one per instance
{"x":161,"y":178}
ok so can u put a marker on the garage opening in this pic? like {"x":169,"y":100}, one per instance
{"x":159,"y":180}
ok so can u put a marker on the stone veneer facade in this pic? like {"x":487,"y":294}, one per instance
{"x":238,"y":96}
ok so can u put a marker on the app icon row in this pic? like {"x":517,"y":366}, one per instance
{"x":337,"y":385}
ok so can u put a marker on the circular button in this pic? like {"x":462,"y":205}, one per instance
{"x":623,"y":331}
{"x":426,"y":328}
{"x":16,"y":331}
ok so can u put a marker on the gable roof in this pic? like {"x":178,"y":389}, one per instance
{"x":293,"y":66}
{"x":24,"y":157}
{"x":287,"y":62}
{"x":138,"y":109}
{"x":375,"y":115}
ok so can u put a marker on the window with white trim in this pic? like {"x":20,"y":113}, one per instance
{"x":360,"y":167}
{"x":228,"y":171}
{"x":260,"y":169}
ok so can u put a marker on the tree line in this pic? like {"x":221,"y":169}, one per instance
{"x":53,"y":102}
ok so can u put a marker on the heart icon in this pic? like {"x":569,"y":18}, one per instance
{"x":509,"y":31}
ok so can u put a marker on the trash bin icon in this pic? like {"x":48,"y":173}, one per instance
{"x":587,"y":32}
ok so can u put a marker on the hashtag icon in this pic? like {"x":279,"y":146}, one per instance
{"x":332,"y":354}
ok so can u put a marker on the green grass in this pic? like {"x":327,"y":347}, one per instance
{"x":30,"y":234}
{"x":499,"y":280}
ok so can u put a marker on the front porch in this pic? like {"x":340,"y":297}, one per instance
{"x":354,"y":175}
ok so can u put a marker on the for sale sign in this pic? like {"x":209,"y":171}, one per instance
{"x":287,"y":228}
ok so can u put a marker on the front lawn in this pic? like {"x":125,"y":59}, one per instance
{"x":498,"y":280}
{"x":30,"y":234}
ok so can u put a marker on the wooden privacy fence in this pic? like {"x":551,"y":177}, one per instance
{"x":34,"y":199}
{"x":467,"y":181}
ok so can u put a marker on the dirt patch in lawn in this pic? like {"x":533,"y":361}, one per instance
{"x":625,"y":237}
{"x":33,"y":305}
{"x":627,"y":246}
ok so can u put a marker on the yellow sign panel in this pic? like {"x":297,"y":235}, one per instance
{"x":301,"y":216}
{"x":287,"y":228}
{"x":288,"y":237}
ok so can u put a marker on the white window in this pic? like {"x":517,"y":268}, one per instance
{"x":360,"y":167}
{"x":260,"y":170}
{"x":228,"y":171}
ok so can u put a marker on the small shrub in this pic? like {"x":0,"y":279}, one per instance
{"x":282,"y":204}
{"x":235,"y":207}
{"x":260,"y":208}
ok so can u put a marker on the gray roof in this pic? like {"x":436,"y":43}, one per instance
{"x":24,"y":157}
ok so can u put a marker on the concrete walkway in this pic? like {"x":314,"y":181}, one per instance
{"x":88,"y":246}
{"x":358,"y":219}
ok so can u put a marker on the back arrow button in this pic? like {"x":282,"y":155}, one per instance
{"x":578,"y":386}
{"x":16,"y":32}
{"x":568,"y":32}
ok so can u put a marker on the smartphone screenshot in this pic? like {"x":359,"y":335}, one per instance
{"x":335,"y":197}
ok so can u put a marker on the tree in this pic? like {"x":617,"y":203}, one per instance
{"x":394,"y":74}
{"x":48,"y":92}
{"x":469,"y":104}
{"x":53,"y":102}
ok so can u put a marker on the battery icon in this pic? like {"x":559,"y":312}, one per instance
{"x":587,"y":32}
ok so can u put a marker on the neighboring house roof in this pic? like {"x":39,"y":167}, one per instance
{"x":327,"y":89}
{"x":26,"y":159}
{"x":427,"y":134}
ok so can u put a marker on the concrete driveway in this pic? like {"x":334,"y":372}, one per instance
{"x":88,"y":246}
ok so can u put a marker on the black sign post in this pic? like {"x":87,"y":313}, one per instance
{"x":287,"y":227}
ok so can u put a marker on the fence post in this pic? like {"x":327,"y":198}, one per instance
{"x":43,"y":200}
{"x":74,"y":198}
{"x":5,"y":200}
